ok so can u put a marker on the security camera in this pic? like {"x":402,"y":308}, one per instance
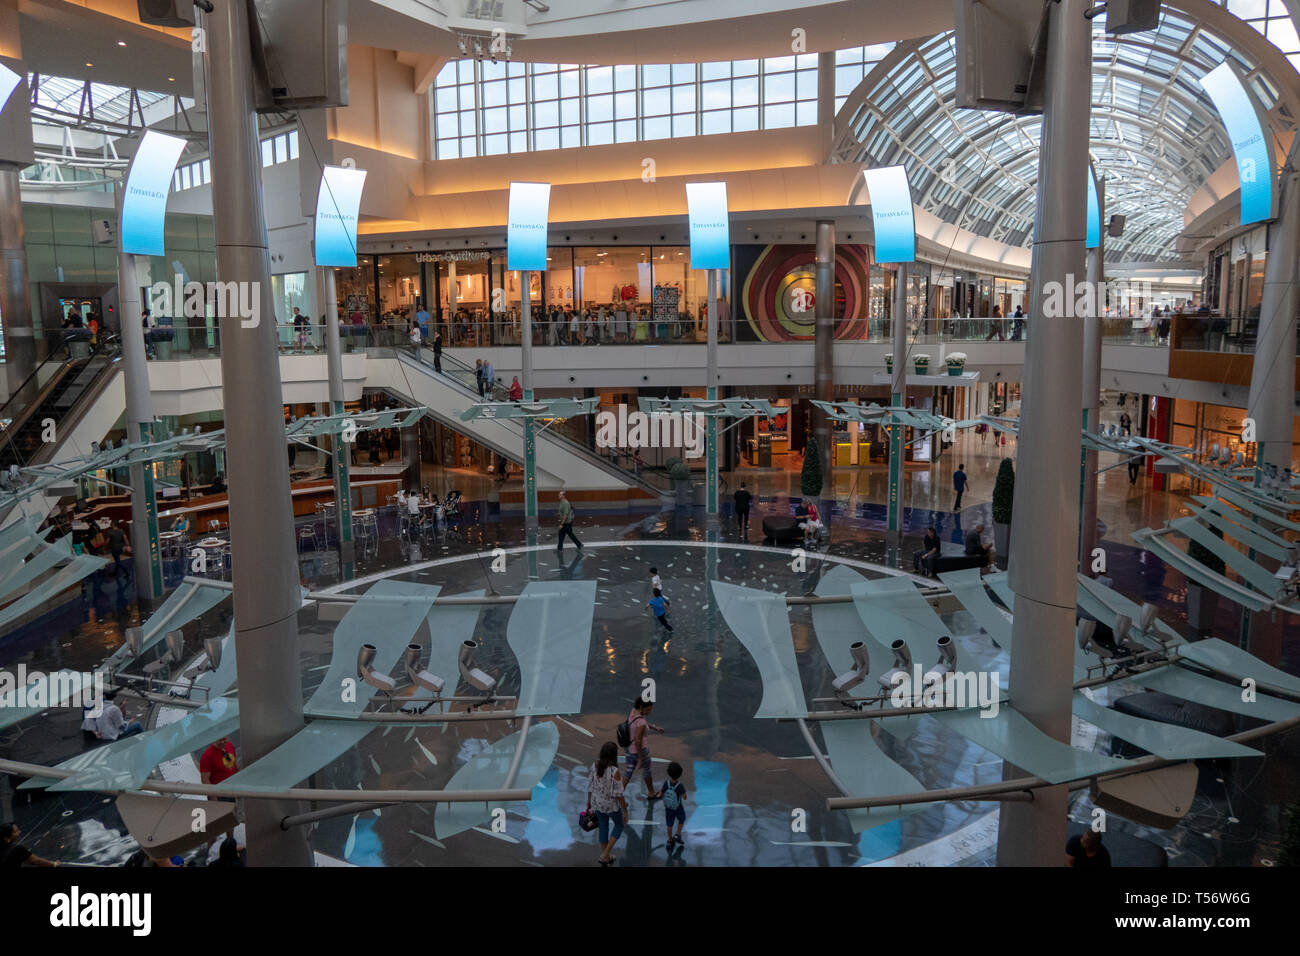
{"x":474,"y":676}
{"x":365,"y":657}
{"x":902,"y":665}
{"x":852,"y":678}
{"x":421,"y":678}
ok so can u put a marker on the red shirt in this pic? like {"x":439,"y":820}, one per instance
{"x":218,"y":763}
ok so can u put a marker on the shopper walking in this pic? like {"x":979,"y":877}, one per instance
{"x":637,"y":728}
{"x":437,"y":352}
{"x":1134,"y":469}
{"x":959,"y":485}
{"x":660,"y":605}
{"x":743,"y":499}
{"x":605,"y":799}
{"x":478,"y":375}
{"x":565,"y":515}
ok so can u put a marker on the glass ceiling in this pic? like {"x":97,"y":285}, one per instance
{"x":1155,"y":136}
{"x":107,"y":103}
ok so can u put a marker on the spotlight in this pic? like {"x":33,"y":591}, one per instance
{"x":852,"y":678}
{"x":134,"y":640}
{"x":430,"y":682}
{"x":1123,"y":624}
{"x":1148,"y":617}
{"x":1214,"y":451}
{"x":212,"y":650}
{"x":902,"y":665}
{"x":1084,"y":632}
{"x":473,"y":675}
{"x":460,"y":42}
{"x":365,"y":657}
{"x":176,"y":645}
{"x":947,"y":662}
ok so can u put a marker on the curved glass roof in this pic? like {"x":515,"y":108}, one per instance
{"x":1155,"y":136}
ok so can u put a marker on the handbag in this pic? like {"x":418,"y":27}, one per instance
{"x":587,"y":821}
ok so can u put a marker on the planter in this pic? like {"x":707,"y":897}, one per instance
{"x":922,"y":368}
{"x":1001,"y":543}
{"x":956,"y":369}
{"x":163,"y":348}
{"x":682,"y":490}
{"x":1202,"y":606}
{"x":889,"y":367}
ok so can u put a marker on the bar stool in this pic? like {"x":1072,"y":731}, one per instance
{"x":307,"y":533}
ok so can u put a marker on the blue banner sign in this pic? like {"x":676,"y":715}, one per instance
{"x":338,"y":206}
{"x":526,"y":226}
{"x":706,"y":208}
{"x":1094,"y":212}
{"x":1251,"y":141}
{"x":144,"y":201}
{"x":891,"y":214}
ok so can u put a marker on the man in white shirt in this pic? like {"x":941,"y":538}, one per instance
{"x":111,"y":725}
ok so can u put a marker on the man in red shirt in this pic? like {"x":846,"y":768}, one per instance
{"x":218,"y":762}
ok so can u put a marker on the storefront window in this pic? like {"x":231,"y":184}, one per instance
{"x":399,"y":290}
{"x":465,"y":292}
{"x":355,"y":288}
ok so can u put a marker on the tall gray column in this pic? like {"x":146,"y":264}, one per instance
{"x":15,"y":295}
{"x":1044,"y":528}
{"x":898,"y":398}
{"x":266,"y":579}
{"x":1272,"y":376}
{"x":139,"y":427}
{"x":526,"y":381}
{"x":1092,"y":337}
{"x":824,"y":344}
{"x":339,"y":449}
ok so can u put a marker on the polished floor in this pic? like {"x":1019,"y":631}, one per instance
{"x":744,"y":775}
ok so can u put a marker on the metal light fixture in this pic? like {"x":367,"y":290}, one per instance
{"x":421,"y":678}
{"x":212,"y":650}
{"x":474,"y":676}
{"x":852,"y":678}
{"x":947,"y":662}
{"x":1083,"y":634}
{"x":176,"y":645}
{"x":365,"y":657}
{"x":134,"y":640}
{"x":902,"y":665}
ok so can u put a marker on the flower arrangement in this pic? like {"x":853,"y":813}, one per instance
{"x":921,"y":362}
{"x":956,"y":361}
{"x":889,"y":362}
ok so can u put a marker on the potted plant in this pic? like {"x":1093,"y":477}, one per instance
{"x":889,"y":362}
{"x":811,"y":477}
{"x":1004,"y":490}
{"x":1203,"y":602}
{"x":921,"y":363}
{"x":956,"y":362}
{"x":680,"y":474}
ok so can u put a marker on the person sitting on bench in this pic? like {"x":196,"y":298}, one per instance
{"x":923,"y":559}
{"x":974,"y":543}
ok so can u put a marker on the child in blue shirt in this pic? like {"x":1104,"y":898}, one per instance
{"x":660,"y":605}
{"x":673,"y":795}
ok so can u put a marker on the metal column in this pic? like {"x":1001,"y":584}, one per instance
{"x":341,"y":450}
{"x":1092,"y":336}
{"x":266,"y":579}
{"x":1272,"y":376}
{"x":711,"y":394}
{"x":526,"y":373}
{"x":15,"y":296}
{"x":1044,"y":529}
{"x":824,"y":346}
{"x":139,"y":428}
{"x":898,"y":399}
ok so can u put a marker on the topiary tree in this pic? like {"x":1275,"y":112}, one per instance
{"x":1004,"y":491}
{"x":679,"y":471}
{"x":1199,"y":552}
{"x":810,"y":479}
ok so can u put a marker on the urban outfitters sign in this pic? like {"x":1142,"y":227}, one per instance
{"x":706,"y":209}
{"x":144,"y":201}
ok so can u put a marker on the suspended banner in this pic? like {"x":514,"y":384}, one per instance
{"x":891,"y":214}
{"x":338,"y":205}
{"x":526,"y":226}
{"x":1247,"y":128}
{"x":1094,"y":212}
{"x":144,"y":202}
{"x":706,"y":208}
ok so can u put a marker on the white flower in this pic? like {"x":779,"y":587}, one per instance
{"x":920,"y":359}
{"x":956,"y":358}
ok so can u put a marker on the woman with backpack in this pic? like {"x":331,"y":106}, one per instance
{"x":605,"y":799}
{"x":632,"y":735}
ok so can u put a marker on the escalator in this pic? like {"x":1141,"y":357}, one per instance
{"x":448,"y":393}
{"x":55,"y":392}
